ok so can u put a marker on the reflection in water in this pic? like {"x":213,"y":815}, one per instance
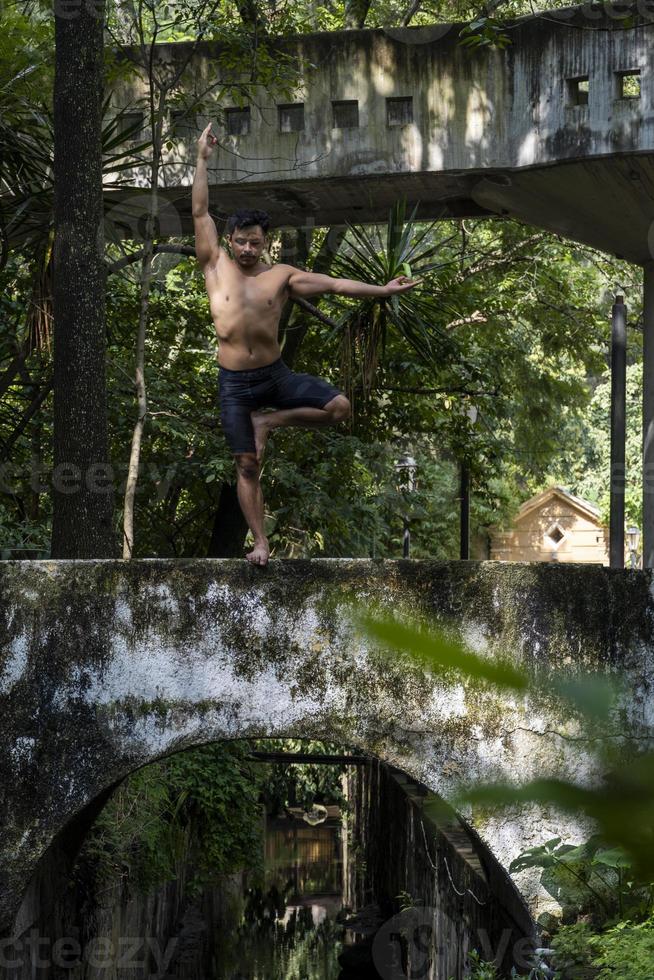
{"x":288,"y":928}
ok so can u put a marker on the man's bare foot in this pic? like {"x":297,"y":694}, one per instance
{"x":261,"y":432}
{"x":260,"y":553}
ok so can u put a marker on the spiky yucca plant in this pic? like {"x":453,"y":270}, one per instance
{"x":414,"y":315}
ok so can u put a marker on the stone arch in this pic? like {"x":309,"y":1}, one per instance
{"x":495,"y":917}
{"x":107,"y":666}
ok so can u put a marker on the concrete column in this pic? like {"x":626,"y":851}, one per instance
{"x":648,"y":417}
{"x":618,"y":431}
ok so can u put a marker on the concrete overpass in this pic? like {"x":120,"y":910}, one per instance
{"x":106,"y":666}
{"x":556,"y":130}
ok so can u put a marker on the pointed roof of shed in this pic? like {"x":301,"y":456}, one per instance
{"x":583,"y":506}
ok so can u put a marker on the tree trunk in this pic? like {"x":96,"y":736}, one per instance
{"x":144,"y":307}
{"x":229,"y":526}
{"x":82,"y":524}
{"x":356,"y":12}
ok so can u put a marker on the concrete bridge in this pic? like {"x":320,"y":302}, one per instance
{"x":106,"y":666}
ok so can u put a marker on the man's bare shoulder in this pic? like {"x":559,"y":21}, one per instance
{"x":285,"y":271}
{"x":279,"y":272}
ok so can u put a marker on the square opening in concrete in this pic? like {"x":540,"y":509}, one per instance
{"x":577,"y":90}
{"x":291,"y":117}
{"x":237,"y":121}
{"x":399,"y":111}
{"x":135,"y":119}
{"x":181,"y":124}
{"x":627,"y":84}
{"x":346,"y":114}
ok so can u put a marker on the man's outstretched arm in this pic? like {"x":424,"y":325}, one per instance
{"x":207,"y":247}
{"x":302,"y":283}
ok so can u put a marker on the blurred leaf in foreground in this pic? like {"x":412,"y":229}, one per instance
{"x":621,"y":805}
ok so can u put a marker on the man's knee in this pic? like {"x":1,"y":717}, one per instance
{"x":247,"y":466}
{"x":339,"y":408}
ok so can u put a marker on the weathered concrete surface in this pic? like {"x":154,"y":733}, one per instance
{"x":462,"y":899}
{"x":493,"y":131}
{"x":106,"y":666}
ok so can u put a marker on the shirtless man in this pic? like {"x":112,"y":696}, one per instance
{"x":246,"y":297}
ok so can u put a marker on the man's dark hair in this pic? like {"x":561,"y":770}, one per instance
{"x":245,"y":218}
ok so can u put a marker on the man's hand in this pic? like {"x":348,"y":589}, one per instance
{"x":206,"y":143}
{"x":400,"y":285}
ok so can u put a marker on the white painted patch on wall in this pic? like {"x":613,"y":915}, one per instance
{"x":16,"y":664}
{"x":21,"y":750}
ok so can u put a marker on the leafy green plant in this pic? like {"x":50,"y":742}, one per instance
{"x":484,"y":32}
{"x":365,"y":326}
{"x":405,"y":901}
{"x":199,"y":807}
{"x":624,"y":951}
{"x":480,"y":969}
{"x":589,"y":877}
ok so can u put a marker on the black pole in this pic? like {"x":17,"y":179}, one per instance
{"x":618,"y":423}
{"x":465,"y":513}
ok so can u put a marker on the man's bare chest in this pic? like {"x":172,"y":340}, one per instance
{"x":229,"y":290}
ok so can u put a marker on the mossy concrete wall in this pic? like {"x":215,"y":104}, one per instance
{"x":106,"y":666}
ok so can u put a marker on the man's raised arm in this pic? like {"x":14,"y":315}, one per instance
{"x":301,"y":283}
{"x":207,"y":248}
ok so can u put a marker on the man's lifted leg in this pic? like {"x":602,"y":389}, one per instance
{"x":337,"y":410}
{"x":248,"y":465}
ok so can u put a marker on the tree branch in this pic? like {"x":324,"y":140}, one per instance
{"x":31,"y":411}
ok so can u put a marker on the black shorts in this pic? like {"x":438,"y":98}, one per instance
{"x":272,"y":386}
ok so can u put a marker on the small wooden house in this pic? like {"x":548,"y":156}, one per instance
{"x":553,"y":526}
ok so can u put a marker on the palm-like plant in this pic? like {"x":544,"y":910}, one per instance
{"x":24,"y":155}
{"x":27,"y":187}
{"x":414,"y":315}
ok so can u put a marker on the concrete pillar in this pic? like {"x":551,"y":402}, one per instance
{"x":648,"y":417}
{"x":618,"y":431}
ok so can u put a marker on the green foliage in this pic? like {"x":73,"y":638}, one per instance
{"x":365,"y":325}
{"x":589,"y":878}
{"x":443,"y":654}
{"x":624,"y":951}
{"x":479,"y":969}
{"x":199,"y":807}
{"x":301,"y":784}
{"x":591,"y":473}
{"x":484,"y":32}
